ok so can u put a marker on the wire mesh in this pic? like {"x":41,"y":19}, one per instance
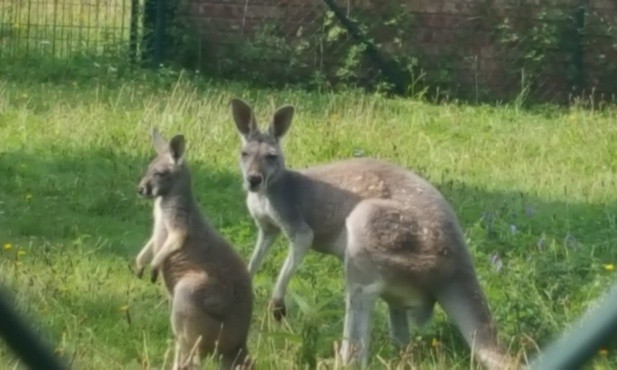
{"x":500,"y":49}
{"x":61,"y":28}
{"x":475,"y":49}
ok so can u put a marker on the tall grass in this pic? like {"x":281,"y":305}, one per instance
{"x":534,"y":190}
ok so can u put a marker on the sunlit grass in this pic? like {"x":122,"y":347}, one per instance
{"x":534,"y":190}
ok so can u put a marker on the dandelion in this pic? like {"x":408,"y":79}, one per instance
{"x":124,"y":308}
{"x":435,"y":342}
{"x":21,"y":252}
{"x":8,"y":246}
{"x":609,"y":267}
{"x":603,"y":352}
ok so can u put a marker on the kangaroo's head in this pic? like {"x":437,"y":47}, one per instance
{"x":261,"y":157}
{"x":167,"y":170}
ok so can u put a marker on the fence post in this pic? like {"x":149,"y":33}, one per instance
{"x":578,"y":79}
{"x":133,"y":31}
{"x":154,"y":32}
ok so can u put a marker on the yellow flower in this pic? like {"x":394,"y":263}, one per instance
{"x":124,"y":308}
{"x":435,"y":342}
{"x":28,"y":196}
{"x":8,"y":246}
{"x":603,"y":352}
{"x":609,"y":267}
{"x":21,"y":252}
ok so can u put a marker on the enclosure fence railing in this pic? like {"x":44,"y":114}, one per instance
{"x":475,"y":49}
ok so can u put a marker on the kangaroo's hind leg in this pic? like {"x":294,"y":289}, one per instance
{"x":400,"y":319}
{"x":364,"y":284}
{"x":190,"y":323}
{"x":399,"y":325}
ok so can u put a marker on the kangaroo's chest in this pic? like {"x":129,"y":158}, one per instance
{"x":262,"y":209}
{"x":160,"y":227}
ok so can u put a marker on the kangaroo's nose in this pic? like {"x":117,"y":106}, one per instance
{"x":255,"y":180}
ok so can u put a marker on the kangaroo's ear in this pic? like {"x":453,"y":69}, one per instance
{"x":244,"y":118}
{"x":177,"y":145}
{"x":281,"y":121}
{"x":160,"y":144}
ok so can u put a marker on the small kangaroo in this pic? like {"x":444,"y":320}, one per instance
{"x":208,"y":283}
{"x":398,"y":237}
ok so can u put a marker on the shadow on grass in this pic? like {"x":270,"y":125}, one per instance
{"x":66,"y":197}
{"x":536,"y":257}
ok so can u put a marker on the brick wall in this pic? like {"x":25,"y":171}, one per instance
{"x":458,"y":37}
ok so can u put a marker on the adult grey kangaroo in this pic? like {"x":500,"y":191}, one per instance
{"x":208,"y":283}
{"x":399,"y":239}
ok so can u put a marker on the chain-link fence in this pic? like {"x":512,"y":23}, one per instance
{"x":476,"y":49}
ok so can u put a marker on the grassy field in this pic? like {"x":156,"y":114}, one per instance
{"x":534,"y":190}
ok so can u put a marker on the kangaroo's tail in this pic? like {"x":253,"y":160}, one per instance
{"x":465,"y":303}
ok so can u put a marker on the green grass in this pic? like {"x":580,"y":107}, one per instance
{"x":536,"y":188}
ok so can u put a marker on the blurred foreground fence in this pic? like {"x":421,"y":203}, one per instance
{"x":472,"y":49}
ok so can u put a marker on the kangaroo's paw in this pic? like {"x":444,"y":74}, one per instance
{"x":154,"y":274}
{"x":278,"y":309}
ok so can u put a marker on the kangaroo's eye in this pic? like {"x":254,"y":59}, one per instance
{"x":160,"y":174}
{"x":244,"y":154}
{"x":271,"y":156}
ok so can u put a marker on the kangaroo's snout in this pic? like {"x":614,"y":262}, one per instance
{"x":254,"y":181}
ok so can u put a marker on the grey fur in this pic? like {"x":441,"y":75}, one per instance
{"x":397,"y":236}
{"x":208,"y":283}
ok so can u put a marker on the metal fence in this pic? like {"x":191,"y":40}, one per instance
{"x":473,"y":49}
{"x":64,"y":28}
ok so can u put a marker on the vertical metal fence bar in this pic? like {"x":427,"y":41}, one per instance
{"x":54,"y":29}
{"x":147,"y":44}
{"x":578,"y":52}
{"x":159,"y":33}
{"x":133,"y":31}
